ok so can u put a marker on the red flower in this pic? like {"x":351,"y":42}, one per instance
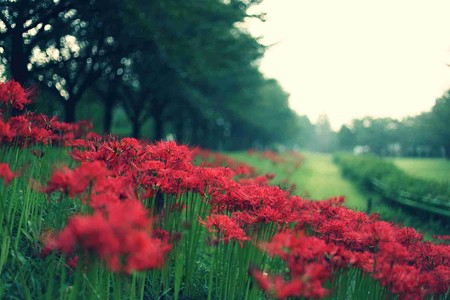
{"x":6,"y":132}
{"x":6,"y":173}
{"x":226,"y":227}
{"x":11,"y":93}
{"x":74,"y":182}
{"x":442,"y":237}
{"x":279,"y":288}
{"x":120,"y":235}
{"x":309,"y":261}
{"x":62,"y":180}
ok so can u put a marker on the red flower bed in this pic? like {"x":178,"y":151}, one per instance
{"x":116,"y":176}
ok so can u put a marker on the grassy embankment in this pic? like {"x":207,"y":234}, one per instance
{"x":399,"y":194}
{"x":426,"y":168}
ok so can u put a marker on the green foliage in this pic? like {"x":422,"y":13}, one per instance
{"x":186,"y":68}
{"x":437,"y":169}
{"x":427,"y":134}
{"x":374,"y":173}
{"x":440,"y":116}
{"x":316,"y":137}
{"x":346,"y":138}
{"x":306,"y":131}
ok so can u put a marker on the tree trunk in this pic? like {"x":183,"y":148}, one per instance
{"x":179,"y":129}
{"x":136,"y":128}
{"x":446,"y":151}
{"x":69,"y":110}
{"x":196,"y":130}
{"x":107,"y":118}
{"x":18,"y":63}
{"x":157,"y":114}
{"x":19,"y":60}
{"x":159,"y":128}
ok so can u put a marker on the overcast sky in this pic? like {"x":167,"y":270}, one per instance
{"x":350,"y":59}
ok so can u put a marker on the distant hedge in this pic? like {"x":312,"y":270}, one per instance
{"x":376,"y":174}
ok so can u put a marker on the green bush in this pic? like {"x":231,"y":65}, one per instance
{"x":376,"y":174}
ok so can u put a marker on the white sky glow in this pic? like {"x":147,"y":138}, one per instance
{"x":354,"y":58}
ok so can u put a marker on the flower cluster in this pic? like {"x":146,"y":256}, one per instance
{"x":120,"y":234}
{"x":114,"y":177}
{"x":13,"y":95}
{"x":307,"y":258}
{"x":215,"y":159}
{"x":120,"y":230}
{"x":30,"y":128}
{"x":396,"y":256}
{"x":226,"y":228}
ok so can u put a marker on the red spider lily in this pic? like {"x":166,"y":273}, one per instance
{"x":259,"y":180}
{"x":6,"y":132}
{"x":21,"y":125}
{"x":438,"y":279}
{"x":32,"y":128}
{"x":408,"y":236}
{"x":279,"y":288}
{"x":121,"y":236}
{"x":7,"y":174}
{"x":62,"y":180}
{"x":226,"y":228}
{"x":74,"y":182}
{"x":307,"y":259}
{"x":243,"y":218}
{"x":442,"y":237}
{"x":210,"y":159}
{"x":12,"y":94}
{"x":403,"y":280}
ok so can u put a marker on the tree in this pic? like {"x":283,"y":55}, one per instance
{"x":439,"y":122}
{"x":27,"y":24}
{"x":346,"y":138}
{"x":186,"y":66}
{"x":324,"y":137}
{"x":306,"y":131}
{"x":98,"y":40}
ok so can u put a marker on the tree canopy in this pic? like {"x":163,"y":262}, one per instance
{"x":427,"y":134}
{"x":184,"y":69}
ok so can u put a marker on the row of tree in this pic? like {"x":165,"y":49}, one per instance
{"x":427,"y":134}
{"x":184,"y":68}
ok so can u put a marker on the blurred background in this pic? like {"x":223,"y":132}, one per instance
{"x":238,"y":74}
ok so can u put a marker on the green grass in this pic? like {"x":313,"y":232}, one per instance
{"x":426,"y":168}
{"x":321,"y":178}
{"x":388,"y":200}
{"x":318,"y":178}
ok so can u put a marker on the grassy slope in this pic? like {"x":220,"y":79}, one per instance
{"x":317,"y":178}
{"x":427,"y":168}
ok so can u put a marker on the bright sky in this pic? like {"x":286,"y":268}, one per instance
{"x":350,"y":59}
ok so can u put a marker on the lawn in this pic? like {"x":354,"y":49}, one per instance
{"x":427,"y":168}
{"x":318,"y":178}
